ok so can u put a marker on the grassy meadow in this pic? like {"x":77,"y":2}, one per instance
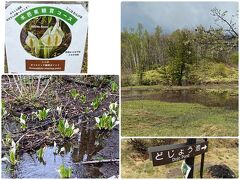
{"x":155,"y":118}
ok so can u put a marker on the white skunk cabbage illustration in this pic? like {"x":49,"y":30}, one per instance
{"x":53,"y":36}
{"x":31,"y":40}
{"x":50,"y":40}
{"x":56,"y":39}
{"x":46,"y":37}
{"x":58,"y":29}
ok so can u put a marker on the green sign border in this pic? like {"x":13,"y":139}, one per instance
{"x":47,"y":11}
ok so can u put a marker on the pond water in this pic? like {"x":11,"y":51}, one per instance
{"x":208,"y":97}
{"x":92,"y":146}
{"x":30,"y":167}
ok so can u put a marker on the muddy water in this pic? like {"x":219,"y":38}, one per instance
{"x":30,"y":167}
{"x":207,"y":97}
{"x":91,"y":146}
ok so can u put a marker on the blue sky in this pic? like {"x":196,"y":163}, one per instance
{"x":172,"y":15}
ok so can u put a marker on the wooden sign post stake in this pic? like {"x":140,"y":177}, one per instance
{"x":202,"y":162}
{"x":190,"y":161}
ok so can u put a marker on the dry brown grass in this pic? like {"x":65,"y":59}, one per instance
{"x":135,"y":165}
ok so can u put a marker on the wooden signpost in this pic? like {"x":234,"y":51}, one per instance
{"x":202,"y":162}
{"x":161,"y":155}
{"x":190,"y":161}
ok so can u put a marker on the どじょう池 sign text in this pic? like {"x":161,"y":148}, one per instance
{"x":166,"y":154}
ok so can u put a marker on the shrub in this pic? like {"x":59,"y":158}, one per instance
{"x":234,"y":58}
{"x":220,"y":70}
{"x":209,"y":72}
{"x":134,"y":80}
{"x":165,"y":75}
{"x":151,"y":77}
{"x":125,"y":79}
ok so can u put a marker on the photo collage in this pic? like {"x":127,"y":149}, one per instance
{"x":119,"y":89}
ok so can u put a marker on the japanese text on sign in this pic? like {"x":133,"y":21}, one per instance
{"x":46,"y":10}
{"x":161,"y":155}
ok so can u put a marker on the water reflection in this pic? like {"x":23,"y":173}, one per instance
{"x":87,"y":147}
{"x":88,"y":144}
{"x":207,"y":97}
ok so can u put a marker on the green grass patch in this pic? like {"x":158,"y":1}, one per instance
{"x":155,"y":118}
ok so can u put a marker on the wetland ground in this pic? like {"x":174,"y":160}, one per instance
{"x":82,"y":148}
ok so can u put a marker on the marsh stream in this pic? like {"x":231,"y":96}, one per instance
{"x":209,"y":97}
{"x":92,"y":145}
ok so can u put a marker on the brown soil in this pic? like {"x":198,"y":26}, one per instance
{"x":41,"y":133}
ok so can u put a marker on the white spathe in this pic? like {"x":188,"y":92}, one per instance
{"x":31,"y":40}
{"x":53,"y":36}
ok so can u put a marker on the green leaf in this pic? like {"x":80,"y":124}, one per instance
{"x":61,"y":127}
{"x":74,"y":94}
{"x":65,"y":172}
{"x":83,"y":99}
{"x":3,"y":109}
{"x":114,"y":86}
{"x":96,"y":103}
{"x":105,"y":122}
{"x":40,"y":153}
{"x":42,"y":114}
{"x":68,"y":132}
{"x":12,"y":158}
{"x":23,"y":126}
{"x":65,"y":129}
